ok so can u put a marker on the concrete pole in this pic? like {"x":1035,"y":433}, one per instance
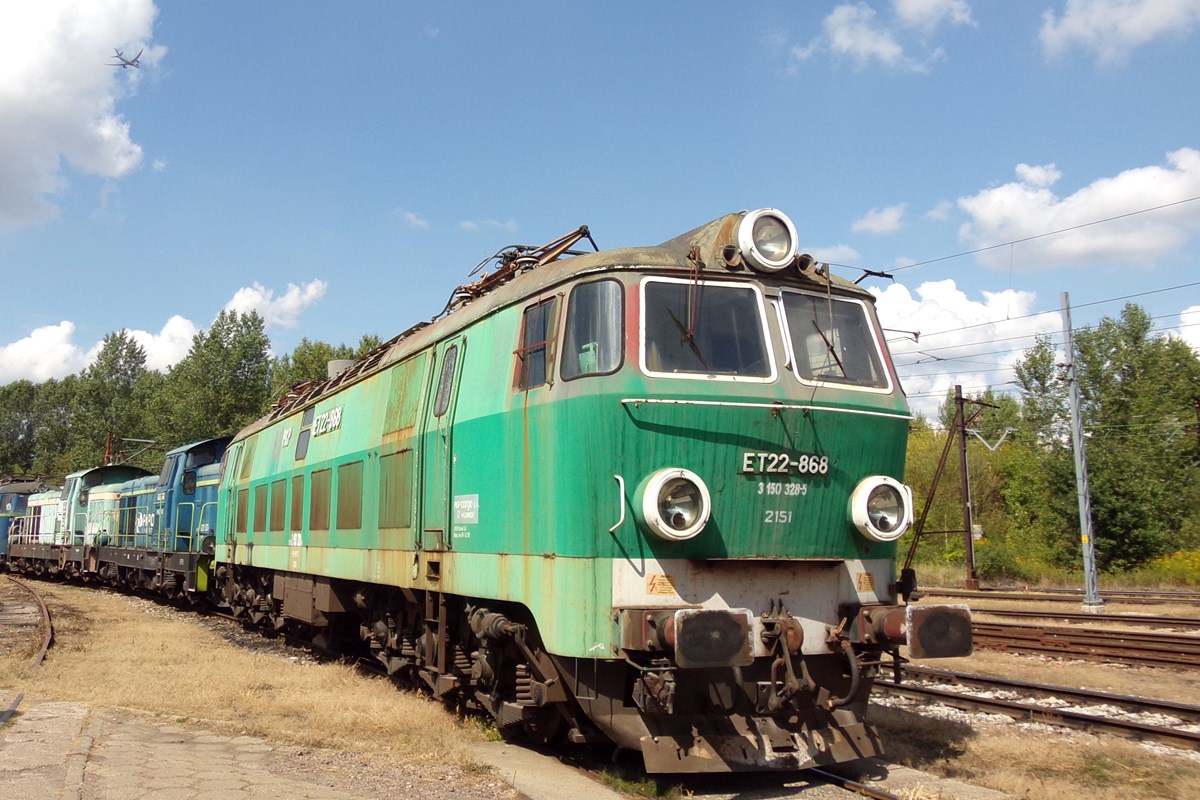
{"x":1091,"y":598}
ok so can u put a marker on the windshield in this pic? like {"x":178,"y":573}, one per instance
{"x":832,"y":341}
{"x":694,"y":327}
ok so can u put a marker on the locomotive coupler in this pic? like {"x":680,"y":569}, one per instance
{"x":654,"y":689}
{"x":783,"y":635}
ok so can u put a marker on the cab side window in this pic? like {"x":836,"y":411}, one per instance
{"x":534,"y":355}
{"x":593,"y":343}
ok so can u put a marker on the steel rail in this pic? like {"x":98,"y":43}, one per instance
{"x":1068,"y":595}
{"x":851,"y":785}
{"x":1139,"y":620}
{"x":44,"y":625}
{"x":1035,"y":712}
{"x":1185,"y":712}
{"x":1147,"y":649}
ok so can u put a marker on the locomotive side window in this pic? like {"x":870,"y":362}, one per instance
{"x":395,"y":490}
{"x":593,"y":342}
{"x":260,"y":508}
{"x":243,"y":508}
{"x":349,"y":496}
{"x":446,"y":382}
{"x":533,"y":355}
{"x":278,"y":504}
{"x":699,"y":328}
{"x":318,"y":501}
{"x":297,"y":515}
{"x":832,"y":341}
{"x":305,"y":432}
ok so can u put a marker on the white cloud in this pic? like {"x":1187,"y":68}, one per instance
{"x":48,"y":352}
{"x":1189,"y":326}
{"x":927,"y":15}
{"x":1113,"y":28}
{"x":167,"y":347}
{"x":58,"y":97}
{"x":855,"y":31}
{"x":973,"y":343}
{"x":159,"y":164}
{"x":837,"y":254}
{"x":1047,"y":175}
{"x":415,"y":221}
{"x":283,"y":311}
{"x":52,"y":352}
{"x":471,"y":226}
{"x":940,"y":212}
{"x":1029,"y":208}
{"x":881,"y":220}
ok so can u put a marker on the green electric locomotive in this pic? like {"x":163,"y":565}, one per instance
{"x":646,"y":495}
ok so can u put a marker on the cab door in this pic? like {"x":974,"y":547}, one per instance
{"x":437,"y":454}
{"x":164,"y":506}
{"x":229,"y":500}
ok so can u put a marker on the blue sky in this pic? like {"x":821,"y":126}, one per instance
{"x":342,"y":167}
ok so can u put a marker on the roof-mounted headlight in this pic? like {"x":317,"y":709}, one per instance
{"x":881,"y":508}
{"x":767,"y":240}
{"x":674,"y":504}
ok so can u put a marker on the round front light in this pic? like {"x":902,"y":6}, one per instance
{"x":767,"y":240}
{"x":881,"y":508}
{"x":674,"y":504}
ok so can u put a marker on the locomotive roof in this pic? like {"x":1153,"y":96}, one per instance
{"x":24,"y":487}
{"x":526,"y":272}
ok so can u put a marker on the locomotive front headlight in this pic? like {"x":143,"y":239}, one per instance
{"x":881,"y":508}
{"x":674,"y":504}
{"x":767,"y":239}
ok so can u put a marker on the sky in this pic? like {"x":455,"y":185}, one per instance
{"x":340,"y":168}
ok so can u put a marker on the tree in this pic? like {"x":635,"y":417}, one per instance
{"x":52,"y":427}
{"x":17,"y":425}
{"x":309,"y":361}
{"x":1138,"y":395}
{"x":104,"y":399}
{"x":221,"y":385}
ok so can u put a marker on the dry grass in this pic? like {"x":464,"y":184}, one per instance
{"x":118,"y":652}
{"x":1035,"y":762}
{"x":1041,"y":763}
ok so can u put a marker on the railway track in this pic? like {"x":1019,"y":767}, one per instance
{"x":1174,"y":651}
{"x":1144,"y":719}
{"x":1068,"y":595}
{"x":1133,"y":620}
{"x":25,"y":625}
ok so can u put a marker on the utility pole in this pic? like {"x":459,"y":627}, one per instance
{"x":1091,"y":597}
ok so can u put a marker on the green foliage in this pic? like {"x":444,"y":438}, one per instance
{"x":309,"y":360}
{"x":222,"y":383}
{"x":1139,"y":412}
{"x":1181,"y":568}
{"x":105,"y":399}
{"x":17,"y":427}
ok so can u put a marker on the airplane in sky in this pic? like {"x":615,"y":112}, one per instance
{"x":127,"y":62}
